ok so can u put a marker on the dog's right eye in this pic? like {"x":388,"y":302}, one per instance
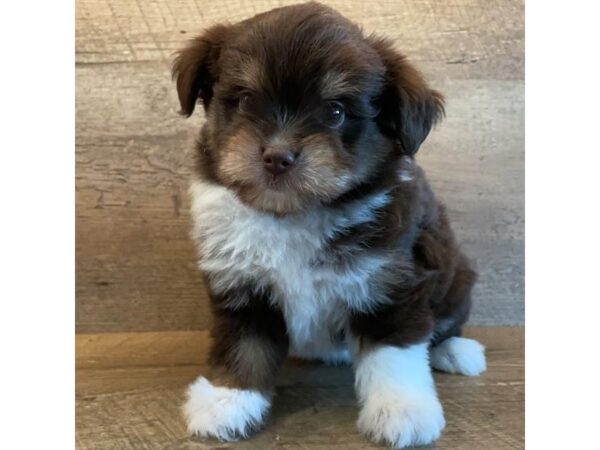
{"x":245,"y":102}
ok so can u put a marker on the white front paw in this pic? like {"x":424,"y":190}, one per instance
{"x":224,"y":413}
{"x":402,"y":420}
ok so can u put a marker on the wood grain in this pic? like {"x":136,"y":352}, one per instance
{"x":135,"y":262}
{"x":130,"y":387}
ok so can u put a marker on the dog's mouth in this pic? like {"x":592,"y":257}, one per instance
{"x":283,"y":182}
{"x":274,"y":198}
{"x":305,"y":184}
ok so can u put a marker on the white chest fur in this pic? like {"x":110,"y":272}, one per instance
{"x":239,"y":246}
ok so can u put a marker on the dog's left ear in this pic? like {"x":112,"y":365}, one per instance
{"x":409,"y":108}
{"x":196,"y":68}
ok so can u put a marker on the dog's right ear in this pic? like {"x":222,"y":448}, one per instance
{"x":196,"y":68}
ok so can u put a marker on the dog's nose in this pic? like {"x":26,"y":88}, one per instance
{"x":278,"y":160}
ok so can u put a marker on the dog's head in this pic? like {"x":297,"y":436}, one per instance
{"x":301,"y":107}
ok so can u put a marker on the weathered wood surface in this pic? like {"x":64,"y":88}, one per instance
{"x":130,"y":387}
{"x":135,"y":262}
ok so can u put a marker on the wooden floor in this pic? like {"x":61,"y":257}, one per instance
{"x":130,"y":387}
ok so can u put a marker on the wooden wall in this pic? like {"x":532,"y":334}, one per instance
{"x":135,"y":262}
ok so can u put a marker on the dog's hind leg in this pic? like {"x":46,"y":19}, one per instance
{"x":449,"y":351}
{"x":458,"y":355}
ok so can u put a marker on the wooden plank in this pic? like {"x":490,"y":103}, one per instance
{"x":179,"y":348}
{"x":135,"y":262}
{"x":133,"y":402}
{"x":454,"y":38}
{"x":126,"y":350}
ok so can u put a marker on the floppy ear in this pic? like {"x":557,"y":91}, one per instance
{"x":196,"y":68}
{"x":409,"y":108}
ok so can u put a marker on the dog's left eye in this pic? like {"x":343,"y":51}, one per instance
{"x":335,"y":114}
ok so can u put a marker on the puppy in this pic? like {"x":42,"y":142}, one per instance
{"x":318,"y":234}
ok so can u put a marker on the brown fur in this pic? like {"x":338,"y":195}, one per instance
{"x":290,"y":61}
{"x":250,"y":338}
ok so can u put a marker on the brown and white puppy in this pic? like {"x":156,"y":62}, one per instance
{"x":318,"y":235}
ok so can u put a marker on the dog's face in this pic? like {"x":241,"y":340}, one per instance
{"x":301,"y":108}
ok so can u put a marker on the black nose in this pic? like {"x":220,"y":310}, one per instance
{"x":278,"y":160}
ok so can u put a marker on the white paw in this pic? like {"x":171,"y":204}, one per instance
{"x":459,"y":355}
{"x":224,"y":413}
{"x":402,"y":420}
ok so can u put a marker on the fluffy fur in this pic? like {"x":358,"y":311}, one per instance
{"x":399,"y":404}
{"x":459,"y":355}
{"x":281,"y":253}
{"x":317,"y":232}
{"x":223,"y":413}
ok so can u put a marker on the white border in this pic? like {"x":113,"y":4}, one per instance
{"x":37,"y":224}
{"x":562,"y":224}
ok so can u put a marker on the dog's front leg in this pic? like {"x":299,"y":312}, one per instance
{"x":394,"y":384}
{"x":399,"y":403}
{"x":249,"y":345}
